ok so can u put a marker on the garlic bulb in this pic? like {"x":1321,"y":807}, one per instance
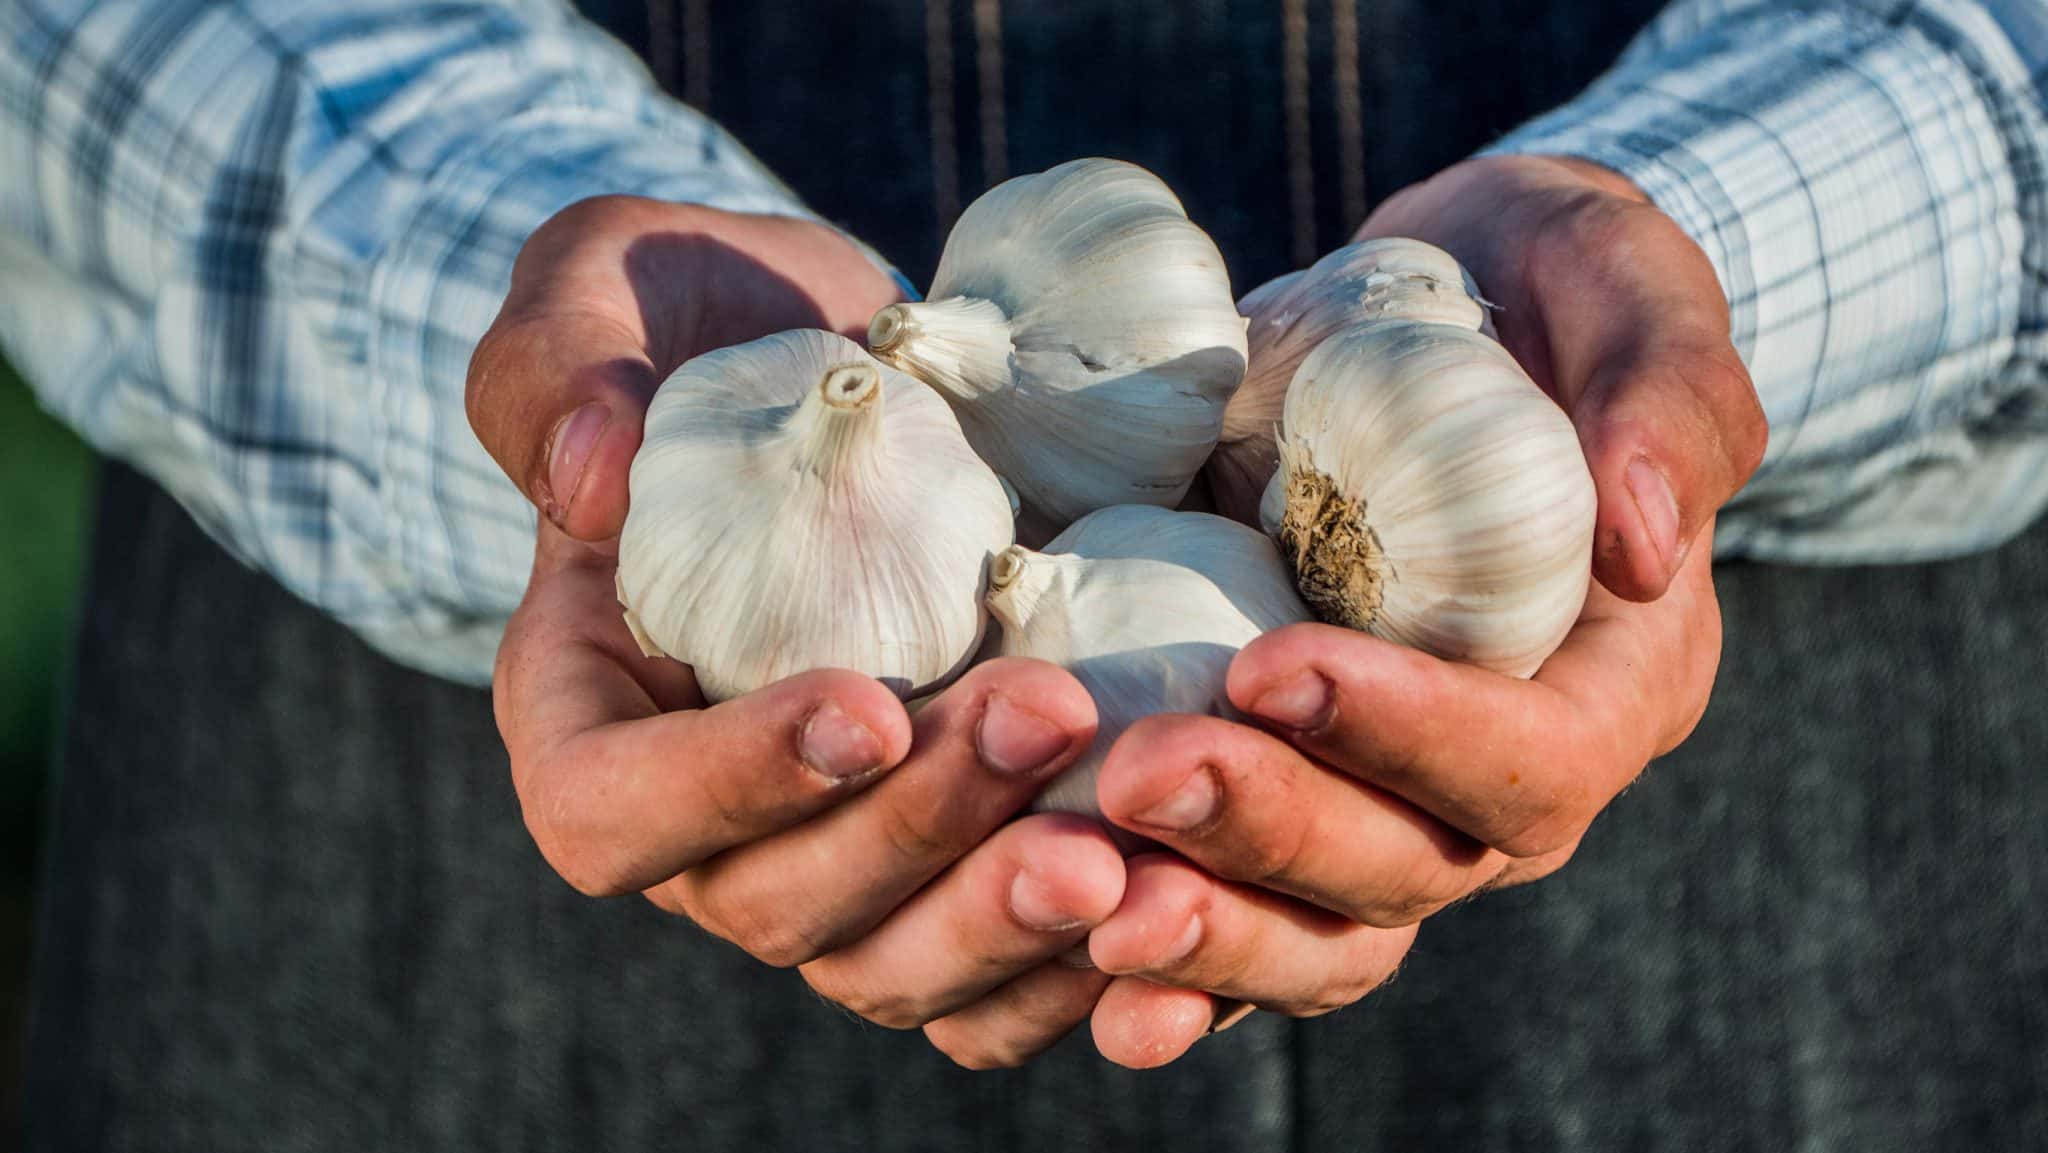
{"x":1146,"y":607}
{"x":1430,"y":494}
{"x":1083,"y":328}
{"x":796,"y":505}
{"x":1386,"y":279}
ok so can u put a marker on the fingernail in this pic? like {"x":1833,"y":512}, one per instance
{"x":1032,"y":903}
{"x":1657,"y":508}
{"x":1015,"y":741}
{"x":1182,"y":947}
{"x":1077,"y":957}
{"x":835,"y":745}
{"x":569,"y":452}
{"x":1303,"y":701}
{"x":1189,"y":806}
{"x":1229,"y":1012}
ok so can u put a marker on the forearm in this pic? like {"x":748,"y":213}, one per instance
{"x":250,"y":248}
{"x":1869,"y":186}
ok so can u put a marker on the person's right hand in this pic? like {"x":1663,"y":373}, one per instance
{"x":813,"y":823}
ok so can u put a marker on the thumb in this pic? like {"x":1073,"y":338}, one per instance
{"x":559,"y":402}
{"x":1670,"y":432}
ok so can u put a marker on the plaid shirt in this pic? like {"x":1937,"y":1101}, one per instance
{"x":250,"y":245}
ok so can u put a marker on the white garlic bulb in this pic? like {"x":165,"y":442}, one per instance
{"x":1393,"y":278}
{"x":1084,"y":330}
{"x":1146,"y":607}
{"x":796,"y":505}
{"x":1431,"y":494}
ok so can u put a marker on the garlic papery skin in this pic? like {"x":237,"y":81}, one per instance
{"x":1431,"y":494}
{"x":1084,"y":330}
{"x":1145,"y":607}
{"x":1392,"y":278}
{"x":798,"y":505}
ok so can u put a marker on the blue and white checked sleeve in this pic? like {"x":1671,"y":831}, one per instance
{"x":1868,"y":179}
{"x":249,"y":245}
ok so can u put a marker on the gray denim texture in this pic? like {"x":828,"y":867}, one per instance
{"x":289,"y":903}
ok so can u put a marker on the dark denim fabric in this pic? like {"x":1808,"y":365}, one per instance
{"x":834,"y":96}
{"x":289,"y":903}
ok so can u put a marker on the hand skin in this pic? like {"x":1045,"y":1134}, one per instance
{"x":1379,"y":785}
{"x":814,"y":823}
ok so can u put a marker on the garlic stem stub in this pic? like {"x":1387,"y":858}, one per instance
{"x":1146,"y":607}
{"x":1084,"y":330}
{"x":1392,"y":278}
{"x":1431,"y":494}
{"x":798,"y":505}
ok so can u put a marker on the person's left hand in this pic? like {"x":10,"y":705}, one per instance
{"x":1385,"y":784}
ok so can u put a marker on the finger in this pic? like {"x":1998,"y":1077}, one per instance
{"x":1666,"y":413}
{"x":607,"y":298}
{"x":1523,"y":872}
{"x":1522,"y":766}
{"x":620,"y":794}
{"x":558,"y":398}
{"x":1247,"y":807}
{"x":981,"y":751}
{"x":1179,"y":926}
{"x":567,"y":661}
{"x":1670,"y":432}
{"x":1142,"y":1025}
{"x":1020,"y":1019}
{"x":1024,"y":896}
{"x":621,"y":807}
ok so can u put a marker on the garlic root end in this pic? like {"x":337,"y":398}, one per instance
{"x":1338,"y":565}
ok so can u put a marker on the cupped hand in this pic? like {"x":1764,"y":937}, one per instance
{"x":1376,"y":785}
{"x":1617,"y":314}
{"x":814,"y":823}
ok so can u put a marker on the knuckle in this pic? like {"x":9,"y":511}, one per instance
{"x":1428,"y":886}
{"x":972,"y":1052}
{"x":1039,"y":1020}
{"x":1541,"y":830}
{"x":1541,"y":867}
{"x":1321,"y":1002}
{"x":1274,"y":850}
{"x":782,"y":944}
{"x":1744,"y":428}
{"x":591,"y":212}
{"x":486,"y":368}
{"x":983,"y":1060}
{"x":1688,"y":723}
{"x":891,"y":1009}
{"x":920,"y":836}
{"x":784,"y":940}
{"x":591,"y":873}
{"x":591,"y":881}
{"x":1337,"y":997}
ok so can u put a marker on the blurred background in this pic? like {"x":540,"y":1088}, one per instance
{"x":47,"y":476}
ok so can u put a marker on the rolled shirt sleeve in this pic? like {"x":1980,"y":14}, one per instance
{"x":1868,"y":181}
{"x":250,"y":247}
